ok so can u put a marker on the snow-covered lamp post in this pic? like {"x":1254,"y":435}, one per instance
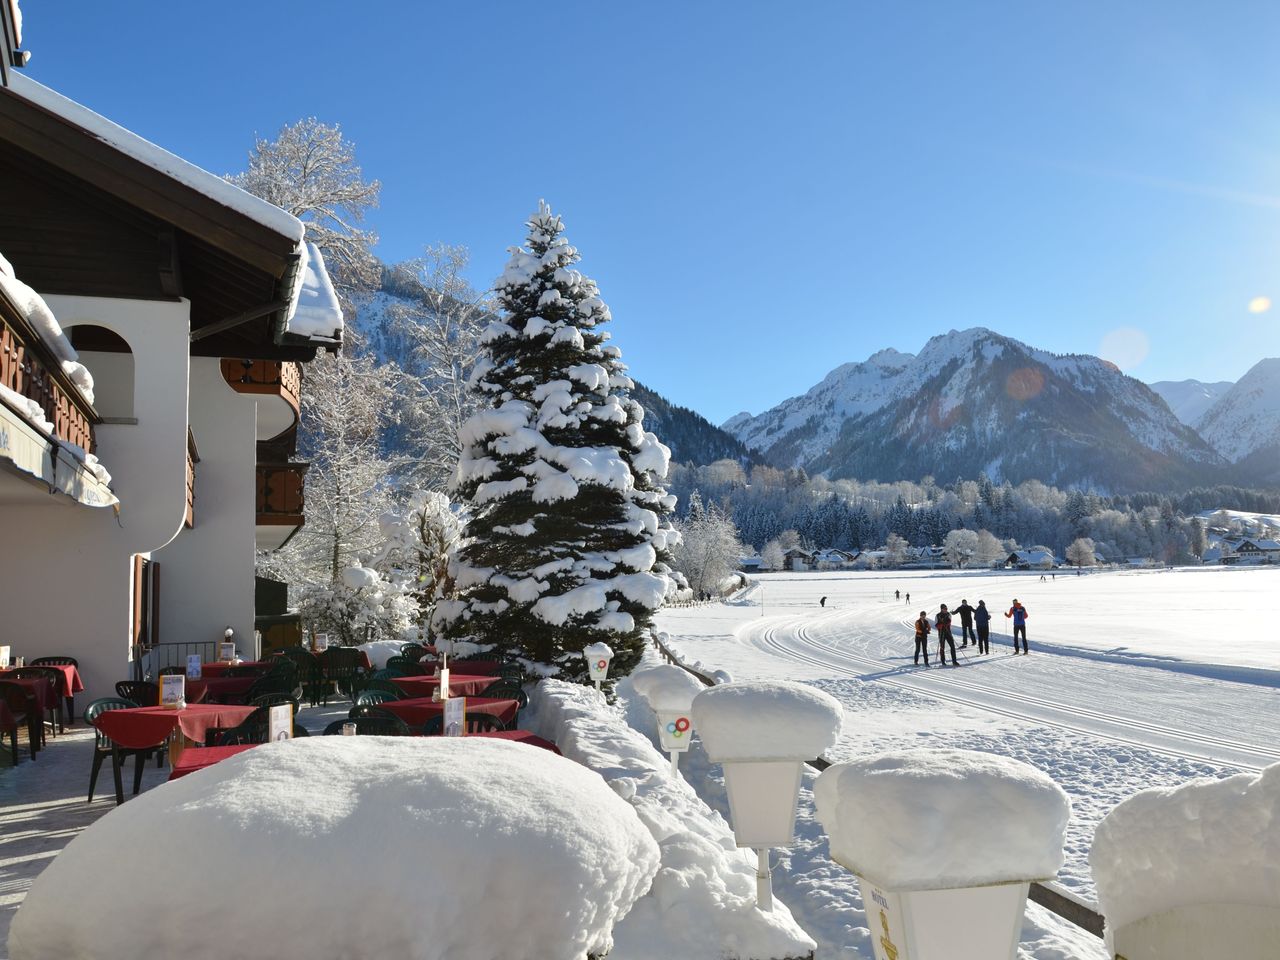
{"x":669,"y":691}
{"x":928,"y":866}
{"x":598,"y":656}
{"x":761,"y":732}
{"x":1192,"y":872}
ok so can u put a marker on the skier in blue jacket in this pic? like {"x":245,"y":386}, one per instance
{"x":982,"y":620}
{"x":1019,"y":614}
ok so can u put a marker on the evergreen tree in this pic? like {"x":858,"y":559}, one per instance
{"x":568,"y":534}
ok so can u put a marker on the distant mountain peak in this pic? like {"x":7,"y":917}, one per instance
{"x":974,"y":401}
{"x":1245,"y":421}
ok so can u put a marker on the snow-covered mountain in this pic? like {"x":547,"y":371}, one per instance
{"x":1190,"y":400}
{"x":974,"y":402}
{"x":1244,"y":424}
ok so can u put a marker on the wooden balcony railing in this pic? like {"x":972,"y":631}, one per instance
{"x":265,"y":376}
{"x":280,"y":494}
{"x":29,"y":368}
{"x":193,"y":457}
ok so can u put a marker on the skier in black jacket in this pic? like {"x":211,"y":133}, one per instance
{"x":966,"y":623}
{"x":943,"y":622}
{"x":983,"y":617}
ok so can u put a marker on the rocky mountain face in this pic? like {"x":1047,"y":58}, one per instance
{"x":691,"y":437}
{"x":1190,"y":400}
{"x":974,"y":402}
{"x":1243,"y":425}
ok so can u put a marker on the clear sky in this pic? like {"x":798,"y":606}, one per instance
{"x":766,"y":190}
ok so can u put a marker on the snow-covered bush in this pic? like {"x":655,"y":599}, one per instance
{"x":361,"y":605}
{"x":418,"y":538}
{"x":567,"y":536}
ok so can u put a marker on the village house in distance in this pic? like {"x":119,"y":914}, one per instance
{"x":152,"y":322}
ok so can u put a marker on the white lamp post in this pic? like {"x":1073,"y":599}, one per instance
{"x":1191,"y":873}
{"x":928,"y":869}
{"x":598,"y":656}
{"x":762,"y":732}
{"x":669,"y":691}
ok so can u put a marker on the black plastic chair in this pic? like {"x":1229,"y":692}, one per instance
{"x":382,"y":724}
{"x":506,"y":690}
{"x":408,"y":668}
{"x":413,"y":651}
{"x":310,"y":677}
{"x":143,"y":693}
{"x":253,"y":729}
{"x":61,"y":662}
{"x":474,"y":723}
{"x":18,"y":700}
{"x":274,"y":700}
{"x":173,"y":670}
{"x":285,"y":684}
{"x":344,"y":667}
{"x":511,"y":671}
{"x":104,"y":747}
{"x":384,"y":686}
{"x":371,"y":698}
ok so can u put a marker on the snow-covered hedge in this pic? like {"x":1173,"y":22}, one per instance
{"x":702,"y":905}
{"x":423,"y":847}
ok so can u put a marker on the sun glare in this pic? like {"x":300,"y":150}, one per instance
{"x":1259,"y":304}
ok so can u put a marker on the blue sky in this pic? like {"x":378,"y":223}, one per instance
{"x":763,"y":190}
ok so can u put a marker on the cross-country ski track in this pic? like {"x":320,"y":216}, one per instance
{"x":1170,"y":708}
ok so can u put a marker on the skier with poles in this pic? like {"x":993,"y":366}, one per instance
{"x":943,"y":622}
{"x":1019,"y":614}
{"x":922,"y":638}
{"x":966,"y":623}
{"x":982,"y":616}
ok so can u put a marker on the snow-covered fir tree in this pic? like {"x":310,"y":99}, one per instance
{"x":568,"y":534}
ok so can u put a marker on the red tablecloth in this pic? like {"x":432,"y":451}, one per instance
{"x":472,"y":668}
{"x":201,"y":757}
{"x":142,"y":727}
{"x":223,"y":689}
{"x":419,"y":710}
{"x":519,"y":736}
{"x":219,"y":668}
{"x":69,"y":682}
{"x":45,"y":692}
{"x":460,"y":685}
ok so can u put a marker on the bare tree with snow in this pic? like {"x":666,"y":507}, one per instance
{"x":568,"y":532}
{"x":1081,"y":552}
{"x":960,"y":547}
{"x":895,"y":550}
{"x":310,"y":171}
{"x":709,"y":550}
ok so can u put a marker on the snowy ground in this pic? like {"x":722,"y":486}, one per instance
{"x":1135,"y":679}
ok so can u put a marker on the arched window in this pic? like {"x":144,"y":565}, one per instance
{"x":110,"y":360}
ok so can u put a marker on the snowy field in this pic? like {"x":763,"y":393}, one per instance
{"x":1135,"y":679}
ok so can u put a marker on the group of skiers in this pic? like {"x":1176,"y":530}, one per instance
{"x":975,"y":624}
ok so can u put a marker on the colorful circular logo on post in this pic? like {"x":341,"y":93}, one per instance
{"x":678,"y":727}
{"x":602,"y":664}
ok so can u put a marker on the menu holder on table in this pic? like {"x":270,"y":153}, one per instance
{"x":455,"y":716}
{"x":194,"y":667}
{"x":322,"y":642}
{"x":280,"y":722}
{"x":5,"y":650}
{"x":227,"y":651}
{"x":173,"y":691}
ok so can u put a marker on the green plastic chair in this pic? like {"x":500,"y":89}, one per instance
{"x":104,"y":746}
{"x":379,"y":724}
{"x":474,"y":723}
{"x":371,"y":698}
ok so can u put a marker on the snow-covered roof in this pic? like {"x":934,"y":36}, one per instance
{"x":316,"y":312}
{"x":159,"y":159}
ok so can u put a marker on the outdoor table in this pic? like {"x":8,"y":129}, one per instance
{"x":460,"y":685}
{"x":198,"y":758}
{"x":517,"y":736}
{"x":219,"y":668}
{"x":140,"y":727}
{"x":69,"y":683}
{"x":472,"y":668}
{"x":222,"y":689}
{"x":419,"y":710}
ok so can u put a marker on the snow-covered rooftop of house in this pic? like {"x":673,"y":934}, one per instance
{"x":470,"y":848}
{"x":766,"y":720}
{"x":907,"y":820}
{"x":1206,"y":841}
{"x":316,"y":311}
{"x":159,"y":159}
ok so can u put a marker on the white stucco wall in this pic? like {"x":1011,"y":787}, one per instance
{"x":67,"y":570}
{"x":206,"y":572}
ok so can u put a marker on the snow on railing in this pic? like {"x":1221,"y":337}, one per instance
{"x":1051,"y":896}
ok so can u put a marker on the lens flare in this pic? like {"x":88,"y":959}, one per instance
{"x":1126,"y":347}
{"x":1024,"y":383}
{"x":1259,"y":304}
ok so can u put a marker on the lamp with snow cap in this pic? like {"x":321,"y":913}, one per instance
{"x":901,"y":823}
{"x":669,"y":691}
{"x":761,"y":732}
{"x":598,"y":656}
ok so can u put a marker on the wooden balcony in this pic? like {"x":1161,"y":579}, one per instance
{"x":29,"y":368}
{"x":281,"y":502}
{"x":268,"y":378}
